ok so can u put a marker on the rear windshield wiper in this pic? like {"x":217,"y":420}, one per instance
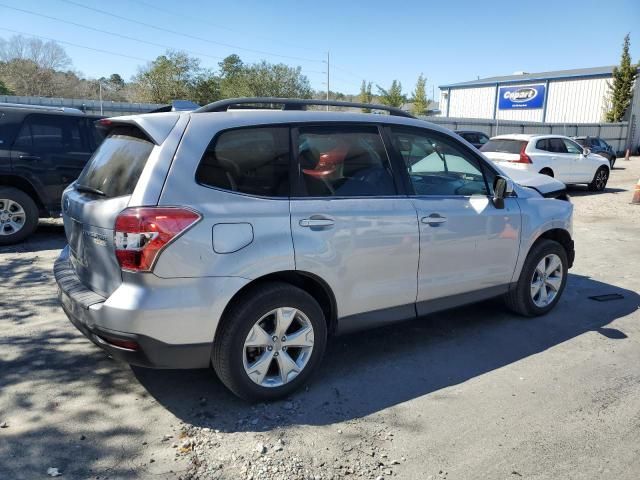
{"x":85,"y":188}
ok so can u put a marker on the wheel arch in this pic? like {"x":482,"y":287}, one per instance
{"x":24,"y":185}
{"x":547,"y":169}
{"x":310,"y":283}
{"x":563,"y":237}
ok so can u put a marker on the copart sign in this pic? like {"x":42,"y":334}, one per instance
{"x":521,"y":96}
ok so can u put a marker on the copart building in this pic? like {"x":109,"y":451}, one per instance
{"x":565,"y":96}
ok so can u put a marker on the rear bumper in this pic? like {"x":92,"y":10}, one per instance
{"x":90,"y":313}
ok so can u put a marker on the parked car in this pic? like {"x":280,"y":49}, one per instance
{"x":553,"y":155}
{"x":244,"y":239}
{"x":42,"y":150}
{"x":477,"y":139}
{"x":598,"y":146}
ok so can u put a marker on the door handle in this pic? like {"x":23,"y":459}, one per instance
{"x":434,"y":220}
{"x":29,"y":157}
{"x":316,"y":222}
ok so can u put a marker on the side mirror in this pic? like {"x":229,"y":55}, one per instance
{"x":586,"y":152}
{"x":502,"y":188}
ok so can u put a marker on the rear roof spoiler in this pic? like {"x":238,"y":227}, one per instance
{"x":156,"y":126}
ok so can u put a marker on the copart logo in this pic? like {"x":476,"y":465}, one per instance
{"x":521,"y":95}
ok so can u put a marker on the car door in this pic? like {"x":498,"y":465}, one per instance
{"x":562,"y":162}
{"x":351,"y":225}
{"x":468,"y":246}
{"x":582,"y":167}
{"x":53,"y":148}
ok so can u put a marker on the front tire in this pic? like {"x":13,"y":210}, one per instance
{"x":599,"y":182}
{"x":18,"y":215}
{"x":270,"y":342}
{"x":542,"y":280}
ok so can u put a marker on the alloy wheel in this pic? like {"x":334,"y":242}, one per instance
{"x":547,"y":280}
{"x":601,"y":179}
{"x":12,"y":217}
{"x":278,"y":347}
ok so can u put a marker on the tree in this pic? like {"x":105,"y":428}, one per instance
{"x":365,"y":95}
{"x":4,"y":90}
{"x":420,"y":100}
{"x":621,"y":91}
{"x":393,"y":96}
{"x":261,"y":79}
{"x":168,"y":77}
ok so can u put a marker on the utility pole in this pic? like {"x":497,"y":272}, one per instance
{"x":100,"y":95}
{"x":328,"y":69}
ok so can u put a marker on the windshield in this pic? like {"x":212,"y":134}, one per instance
{"x":503,"y":145}
{"x":115,"y":167}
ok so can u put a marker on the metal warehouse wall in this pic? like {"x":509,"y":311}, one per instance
{"x":577,"y":101}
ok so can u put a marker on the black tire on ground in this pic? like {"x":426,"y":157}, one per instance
{"x":228,"y":348}
{"x":30,"y":210}
{"x":546,"y":171}
{"x":600,"y":179}
{"x":612,"y":161}
{"x":519,"y":298}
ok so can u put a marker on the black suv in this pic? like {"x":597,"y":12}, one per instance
{"x":477,"y":139}
{"x":42,"y":150}
{"x":599,"y":146}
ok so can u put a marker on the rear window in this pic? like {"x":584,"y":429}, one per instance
{"x":503,"y":146}
{"x":115,"y":167}
{"x":254,"y":161}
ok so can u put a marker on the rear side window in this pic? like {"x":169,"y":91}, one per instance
{"x":503,"y":146}
{"x":253,"y":161}
{"x":115,"y":167}
{"x":52,"y":134}
{"x":344,"y":161}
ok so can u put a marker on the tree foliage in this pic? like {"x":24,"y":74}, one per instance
{"x":621,"y":91}
{"x":392,"y":97}
{"x":169,"y":77}
{"x":420,"y":100}
{"x":4,"y":90}
{"x":365,"y":95}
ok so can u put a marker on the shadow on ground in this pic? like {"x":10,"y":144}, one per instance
{"x":367,"y":372}
{"x":48,"y":236}
{"x":582,"y":190}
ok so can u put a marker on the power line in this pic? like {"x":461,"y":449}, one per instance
{"x":194,"y":37}
{"x":209,"y":24}
{"x":75,"y":44}
{"x":126,"y":37}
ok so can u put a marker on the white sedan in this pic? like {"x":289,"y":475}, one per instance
{"x":554,"y":155}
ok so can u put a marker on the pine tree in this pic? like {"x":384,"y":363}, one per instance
{"x":394,"y":96}
{"x":621,"y":91}
{"x":365,"y":95}
{"x":420,"y":100}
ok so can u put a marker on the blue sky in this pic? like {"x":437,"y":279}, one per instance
{"x":375,"y":40}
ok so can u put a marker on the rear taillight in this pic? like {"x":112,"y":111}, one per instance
{"x":141,"y":233}
{"x":524,"y":158}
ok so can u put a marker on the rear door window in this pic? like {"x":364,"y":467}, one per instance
{"x":503,"y":145}
{"x":52,"y":134}
{"x":343,"y":161}
{"x":116,"y":166}
{"x":253,"y":161}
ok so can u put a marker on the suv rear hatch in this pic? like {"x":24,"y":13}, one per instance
{"x":94,"y":201}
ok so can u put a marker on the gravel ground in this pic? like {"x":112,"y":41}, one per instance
{"x":466,"y":394}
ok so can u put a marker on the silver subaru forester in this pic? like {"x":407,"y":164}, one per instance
{"x":243,"y":238}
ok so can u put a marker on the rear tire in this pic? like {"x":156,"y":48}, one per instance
{"x":599,"y":182}
{"x":524,"y":299}
{"x":612,"y":161}
{"x":250,"y":354}
{"x":18,"y":215}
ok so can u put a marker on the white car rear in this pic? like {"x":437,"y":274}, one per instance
{"x":554,"y":155}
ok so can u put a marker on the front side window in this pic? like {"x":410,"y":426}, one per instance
{"x":344,"y":161}
{"x":254,"y":161}
{"x":571,"y":146}
{"x":482,"y":138}
{"x":438,"y":166}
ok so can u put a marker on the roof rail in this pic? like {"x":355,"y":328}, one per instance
{"x":296,"y":104}
{"x":51,"y":108}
